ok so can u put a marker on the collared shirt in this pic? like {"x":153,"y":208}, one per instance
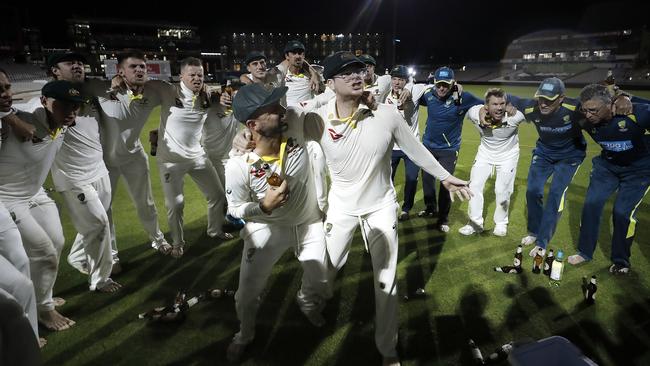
{"x":218,"y":132}
{"x":246,"y":180}
{"x":358,"y":150}
{"x":24,"y":165}
{"x":624,"y":139}
{"x":299,"y":88}
{"x":410,"y":110}
{"x":499,"y":143}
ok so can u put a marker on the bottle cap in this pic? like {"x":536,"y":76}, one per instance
{"x":560,"y":255}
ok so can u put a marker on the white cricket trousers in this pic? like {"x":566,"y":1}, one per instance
{"x":88,"y":206}
{"x":503,"y":188}
{"x":203,"y":174}
{"x":219,"y":163}
{"x":319,"y":172}
{"x":135,"y":170}
{"x":263,"y":246}
{"x":40,"y":229}
{"x":15,"y":275}
{"x":379,"y":232}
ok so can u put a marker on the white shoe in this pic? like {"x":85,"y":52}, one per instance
{"x":470,"y":229}
{"x":500,"y":230}
{"x":528,"y":240}
{"x":533,"y":252}
{"x":444,"y":228}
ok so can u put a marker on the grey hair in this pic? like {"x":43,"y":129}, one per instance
{"x":596,"y":91}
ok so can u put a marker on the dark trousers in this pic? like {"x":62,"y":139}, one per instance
{"x":632,"y":183}
{"x":448,"y":160}
{"x":411,"y":172}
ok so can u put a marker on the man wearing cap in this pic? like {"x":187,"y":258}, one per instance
{"x":271,"y":188}
{"x":14,"y":263}
{"x":357,"y":143}
{"x":559,"y":151}
{"x":623,"y":165}
{"x":79,"y":174}
{"x":378,"y":86}
{"x":409,"y":110}
{"x":499,"y":152}
{"x":123,"y":151}
{"x":23,"y":169}
{"x":255,"y":63}
{"x":446,"y":109}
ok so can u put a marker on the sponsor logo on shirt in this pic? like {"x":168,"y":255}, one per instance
{"x":617,"y":146}
{"x":334,"y":135}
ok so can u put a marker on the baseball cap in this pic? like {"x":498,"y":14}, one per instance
{"x":367,"y":59}
{"x":443,"y":75}
{"x":63,"y":90}
{"x":550,"y":89}
{"x":332,"y":64}
{"x":55,"y":58}
{"x":254,"y":56}
{"x":254,"y":96}
{"x":400,"y":71}
{"x":294,"y":46}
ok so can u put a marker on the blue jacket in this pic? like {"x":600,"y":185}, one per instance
{"x":560,"y":136}
{"x":445,"y":119}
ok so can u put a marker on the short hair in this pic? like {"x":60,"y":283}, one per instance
{"x":130,"y":53}
{"x":494,"y":92}
{"x":596,"y":91}
{"x":191,"y":61}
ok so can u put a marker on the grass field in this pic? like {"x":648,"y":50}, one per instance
{"x":463,"y":298}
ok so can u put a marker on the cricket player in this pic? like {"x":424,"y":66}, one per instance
{"x":623,"y":165}
{"x":79,"y":174}
{"x":499,"y":152}
{"x":409,"y":109}
{"x":182,"y":116}
{"x":446,"y":109}
{"x":357,"y":143}
{"x":24,"y":165}
{"x":271,"y":188}
{"x":378,"y":86}
{"x":123,"y":152}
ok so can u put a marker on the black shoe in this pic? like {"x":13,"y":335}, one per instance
{"x":619,"y":269}
{"x":426,"y":213}
{"x":403,"y":216}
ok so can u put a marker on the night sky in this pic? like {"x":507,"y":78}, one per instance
{"x":430,"y":31}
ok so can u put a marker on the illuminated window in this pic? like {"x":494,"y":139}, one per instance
{"x":602,"y":53}
{"x":529,"y":56}
{"x":546,"y":55}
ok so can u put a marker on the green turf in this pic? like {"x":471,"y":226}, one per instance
{"x":464,"y":297}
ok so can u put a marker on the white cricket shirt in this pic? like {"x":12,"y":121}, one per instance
{"x":498,"y":143}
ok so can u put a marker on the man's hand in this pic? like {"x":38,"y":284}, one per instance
{"x":511,"y":110}
{"x":482,"y":114}
{"x":405,"y":96}
{"x":225,"y":100}
{"x":368,"y":99}
{"x":458,"y":187}
{"x":460,"y":88}
{"x":622,"y":106}
{"x":275,"y":197}
{"x":21,"y":129}
{"x":243,"y":142}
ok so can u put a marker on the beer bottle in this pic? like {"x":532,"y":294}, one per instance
{"x":500,"y":354}
{"x":477,"y":356}
{"x":274,"y":180}
{"x":548,"y":262}
{"x":508,"y":269}
{"x":537,"y":261}
{"x":518,"y":256}
{"x":217,"y":293}
{"x":590,"y":294}
{"x":557,"y":268}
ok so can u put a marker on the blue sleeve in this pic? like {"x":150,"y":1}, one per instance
{"x":642,"y":114}
{"x":640,"y":100}
{"x":469,"y":100}
{"x":520,"y":103}
{"x":423,"y":98}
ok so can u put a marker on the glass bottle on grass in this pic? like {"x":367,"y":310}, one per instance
{"x":557,"y":269}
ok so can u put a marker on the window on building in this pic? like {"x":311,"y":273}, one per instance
{"x":560,"y":54}
{"x":546,"y":55}
{"x":529,"y":56}
{"x":602,"y":53}
{"x":583,"y":54}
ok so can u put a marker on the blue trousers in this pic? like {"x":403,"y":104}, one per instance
{"x":543,"y":218}
{"x":411,"y":177}
{"x":448,"y":161}
{"x":632,"y":183}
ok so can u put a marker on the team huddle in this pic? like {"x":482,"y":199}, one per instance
{"x":262,"y":151}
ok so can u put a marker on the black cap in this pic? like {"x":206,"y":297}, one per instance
{"x":254,"y":96}
{"x":367,"y":59}
{"x":55,"y":58}
{"x":294,"y":45}
{"x":400,"y":71}
{"x":63,"y":90}
{"x":254,"y":56}
{"x":333,"y":64}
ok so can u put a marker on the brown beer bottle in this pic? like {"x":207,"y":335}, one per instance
{"x":537,"y":261}
{"x":590,"y":294}
{"x":548,"y":262}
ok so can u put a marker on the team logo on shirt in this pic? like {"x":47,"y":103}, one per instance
{"x":257,"y":173}
{"x":622,"y":126}
{"x":333,"y":134}
{"x":567,"y":119}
